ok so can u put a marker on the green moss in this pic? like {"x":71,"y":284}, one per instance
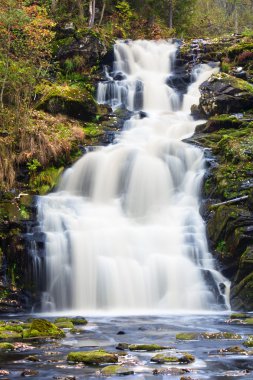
{"x":92,"y":357}
{"x":46,"y":180}
{"x":71,"y":99}
{"x":220,"y":335}
{"x":187,"y":336}
{"x":248,"y":321}
{"x":79,"y":321}
{"x":146,"y":347}
{"x":163,"y":358}
{"x":239,"y":316}
{"x":43,"y":328}
{"x":116,"y":370}
{"x":239,"y":48}
{"x":237,"y":83}
{"x":65,"y":325}
{"x":5,"y":346}
{"x":249,"y":342}
{"x":93,"y":130}
{"x":9,"y":334}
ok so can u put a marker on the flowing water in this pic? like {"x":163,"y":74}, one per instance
{"x":123,"y":231}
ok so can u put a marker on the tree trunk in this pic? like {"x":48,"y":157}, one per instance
{"x":80,"y":8}
{"x":102,"y":13}
{"x":92,"y":8}
{"x":236,"y":20}
{"x":170,"y":13}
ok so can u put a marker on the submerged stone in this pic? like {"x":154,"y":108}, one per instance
{"x":92,"y":357}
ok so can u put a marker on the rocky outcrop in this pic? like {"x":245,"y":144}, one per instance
{"x":228,"y":187}
{"x":223,"y":93}
{"x":88,"y":47}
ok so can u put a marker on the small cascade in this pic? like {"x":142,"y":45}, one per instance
{"x":123,"y":231}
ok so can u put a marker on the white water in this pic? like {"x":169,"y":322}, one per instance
{"x":123,"y":231}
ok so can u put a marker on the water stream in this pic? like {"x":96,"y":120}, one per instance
{"x":123,"y":231}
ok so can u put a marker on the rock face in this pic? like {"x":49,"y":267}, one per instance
{"x":223,"y":93}
{"x":229,"y":182}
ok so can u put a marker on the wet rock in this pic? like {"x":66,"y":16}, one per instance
{"x":216,"y":123}
{"x":220,"y":335}
{"x":41,"y":328}
{"x":81,"y":321}
{"x":249,"y":342}
{"x":64,"y":378}
{"x":65,"y":325}
{"x":187,"y":336}
{"x":121,"y":333}
{"x":171,"y":371}
{"x":29,"y":373}
{"x":146,"y":347}
{"x":5,"y":346}
{"x":122,"y":346}
{"x":232,"y":350}
{"x":163,"y":358}
{"x":116,"y":370}
{"x":92,"y":357}
{"x":32,"y":358}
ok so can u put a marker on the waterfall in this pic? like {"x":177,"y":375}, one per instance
{"x":123,"y":231}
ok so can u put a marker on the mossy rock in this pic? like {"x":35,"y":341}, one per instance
{"x":218,"y":122}
{"x":220,"y":335}
{"x":116,"y":370}
{"x":187,"y":336}
{"x":242,"y":294}
{"x":92,"y":357}
{"x":146,"y":347}
{"x":9,"y":334}
{"x":70,"y":100}
{"x":248,"y":321}
{"x":239,"y":48}
{"x":232,"y":350}
{"x":65,"y":325}
{"x":5,"y":346}
{"x":41,"y":328}
{"x":249,"y":342}
{"x":239,"y":316}
{"x":163,"y":358}
{"x":79,"y":321}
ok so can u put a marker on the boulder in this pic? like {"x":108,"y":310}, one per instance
{"x":73,"y":101}
{"x":41,"y":328}
{"x":223,"y":93}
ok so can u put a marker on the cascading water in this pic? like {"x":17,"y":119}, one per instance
{"x":123,"y":231}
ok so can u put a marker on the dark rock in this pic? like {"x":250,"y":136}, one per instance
{"x":223,"y":93}
{"x":29,"y":373}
